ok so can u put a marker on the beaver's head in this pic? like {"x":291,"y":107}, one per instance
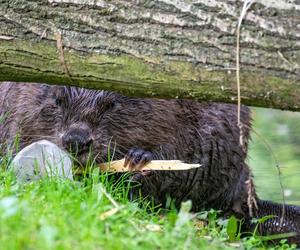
{"x":81,"y":118}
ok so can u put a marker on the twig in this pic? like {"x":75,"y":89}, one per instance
{"x":292,"y":65}
{"x":43,"y":34}
{"x":7,"y":38}
{"x":251,"y":200}
{"x":247,"y":4}
{"x":279,"y":173}
{"x":60,"y":49}
{"x":162,"y":165}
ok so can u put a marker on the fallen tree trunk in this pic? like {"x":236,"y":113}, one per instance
{"x":162,"y":48}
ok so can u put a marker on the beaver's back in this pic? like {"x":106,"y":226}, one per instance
{"x":19,"y":106}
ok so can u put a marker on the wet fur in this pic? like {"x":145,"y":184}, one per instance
{"x":186,"y":130}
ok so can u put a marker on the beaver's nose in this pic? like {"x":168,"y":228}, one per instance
{"x":77,"y":140}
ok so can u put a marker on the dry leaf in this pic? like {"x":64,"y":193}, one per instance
{"x":153,"y":227}
{"x":199,"y":224}
{"x":108,"y":213}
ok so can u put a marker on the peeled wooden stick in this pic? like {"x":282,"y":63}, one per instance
{"x":118,"y":166}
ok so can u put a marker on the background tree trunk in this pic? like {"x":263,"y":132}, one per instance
{"x":160,"y":48}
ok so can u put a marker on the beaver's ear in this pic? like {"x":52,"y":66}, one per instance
{"x":51,"y":90}
{"x":57,"y":90}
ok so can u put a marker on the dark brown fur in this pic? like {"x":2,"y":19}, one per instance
{"x":193,"y":132}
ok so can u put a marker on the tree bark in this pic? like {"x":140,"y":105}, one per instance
{"x":160,"y":48}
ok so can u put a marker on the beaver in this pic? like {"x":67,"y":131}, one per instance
{"x":92,"y":122}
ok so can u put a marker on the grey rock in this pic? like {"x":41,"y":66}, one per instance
{"x":41,"y":159}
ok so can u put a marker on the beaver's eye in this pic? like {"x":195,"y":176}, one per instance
{"x":111,"y":105}
{"x":108,"y":106}
{"x":58,"y":95}
{"x":58,"y":100}
{"x":105,"y":105}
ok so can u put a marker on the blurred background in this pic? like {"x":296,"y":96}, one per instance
{"x":281,"y":131}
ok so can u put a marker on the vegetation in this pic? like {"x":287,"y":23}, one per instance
{"x":96,"y":214}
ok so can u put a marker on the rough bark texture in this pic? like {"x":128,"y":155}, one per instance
{"x":160,"y":48}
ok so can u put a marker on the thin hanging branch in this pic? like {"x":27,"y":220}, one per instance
{"x":250,"y":186}
{"x":251,"y":200}
{"x":247,"y":4}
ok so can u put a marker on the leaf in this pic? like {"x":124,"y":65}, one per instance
{"x":203,"y":215}
{"x":184,"y":216}
{"x":153,"y":227}
{"x":265,"y":218}
{"x":232,"y":227}
{"x":109,"y":213}
{"x":199,"y":224}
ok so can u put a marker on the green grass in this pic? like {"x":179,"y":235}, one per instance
{"x":60,"y":214}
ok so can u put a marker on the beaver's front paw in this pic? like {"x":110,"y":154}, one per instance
{"x":136,"y":158}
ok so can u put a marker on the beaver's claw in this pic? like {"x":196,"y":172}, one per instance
{"x":136,"y":159}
